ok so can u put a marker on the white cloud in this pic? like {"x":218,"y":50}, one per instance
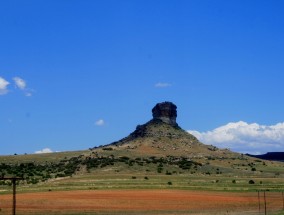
{"x":20,"y":83}
{"x":3,"y":86}
{"x":245,"y":138}
{"x":100,"y":122}
{"x":162,"y":85}
{"x":45,"y":150}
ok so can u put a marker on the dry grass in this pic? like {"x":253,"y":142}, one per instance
{"x":156,"y":202}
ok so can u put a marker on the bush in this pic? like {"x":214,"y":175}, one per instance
{"x":170,"y":183}
{"x":251,"y":182}
{"x":160,"y":168}
{"x":108,"y":149}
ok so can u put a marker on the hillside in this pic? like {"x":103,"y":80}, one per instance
{"x":158,"y":149}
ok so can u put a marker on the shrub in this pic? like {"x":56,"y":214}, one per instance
{"x":251,"y":182}
{"x":168,"y":173}
{"x":108,"y":149}
{"x":160,"y":168}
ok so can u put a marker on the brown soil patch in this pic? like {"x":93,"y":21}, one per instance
{"x":138,"y":202}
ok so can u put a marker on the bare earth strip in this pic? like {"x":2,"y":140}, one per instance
{"x":158,"y":202}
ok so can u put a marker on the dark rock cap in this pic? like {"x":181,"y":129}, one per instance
{"x":166,"y":112}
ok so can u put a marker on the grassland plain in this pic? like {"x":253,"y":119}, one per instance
{"x":96,"y":189}
{"x":136,"y":190}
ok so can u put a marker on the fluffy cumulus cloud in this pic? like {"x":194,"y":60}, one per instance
{"x":45,"y":150}
{"x":162,"y":85}
{"x":100,"y":122}
{"x":245,"y":138}
{"x":3,"y":86}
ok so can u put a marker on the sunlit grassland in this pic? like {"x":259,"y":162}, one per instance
{"x":148,"y":180}
{"x":40,"y":158}
{"x":213,"y":174}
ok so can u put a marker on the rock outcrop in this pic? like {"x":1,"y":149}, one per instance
{"x":166,"y":112}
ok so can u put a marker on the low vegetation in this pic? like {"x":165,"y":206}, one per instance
{"x":33,"y":172}
{"x":112,"y":170}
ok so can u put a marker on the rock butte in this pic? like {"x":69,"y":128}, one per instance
{"x":166,"y":112}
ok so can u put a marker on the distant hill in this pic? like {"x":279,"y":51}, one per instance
{"x":162,"y":136}
{"x":273,"y":156}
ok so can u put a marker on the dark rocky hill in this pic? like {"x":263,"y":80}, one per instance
{"x":273,"y":156}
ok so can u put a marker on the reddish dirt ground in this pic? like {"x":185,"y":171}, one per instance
{"x":138,"y":201}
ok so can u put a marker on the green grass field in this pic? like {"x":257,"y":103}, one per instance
{"x":122,"y":170}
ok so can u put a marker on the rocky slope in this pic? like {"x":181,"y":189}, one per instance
{"x":161,"y":136}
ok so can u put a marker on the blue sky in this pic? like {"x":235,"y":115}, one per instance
{"x":78,"y":74}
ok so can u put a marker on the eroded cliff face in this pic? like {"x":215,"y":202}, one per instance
{"x":166,"y":112}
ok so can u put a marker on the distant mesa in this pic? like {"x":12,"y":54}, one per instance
{"x":166,"y":112}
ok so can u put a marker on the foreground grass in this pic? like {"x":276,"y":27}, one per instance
{"x":148,"y":180}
